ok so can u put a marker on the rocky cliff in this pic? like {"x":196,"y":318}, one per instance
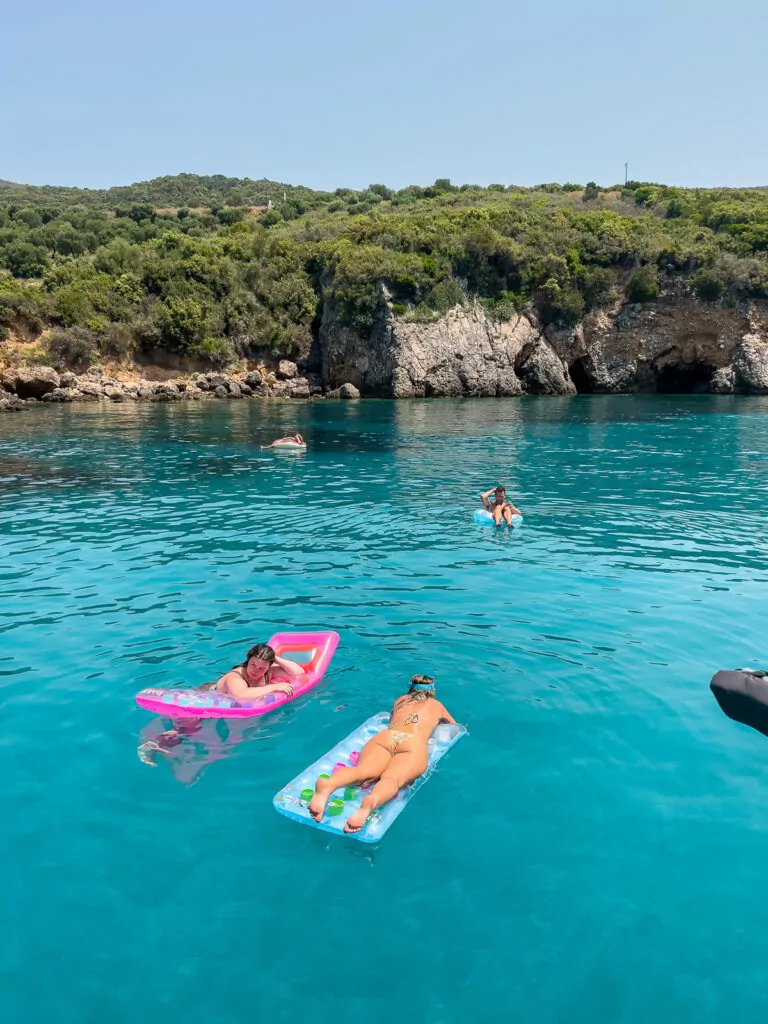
{"x":677,"y":344}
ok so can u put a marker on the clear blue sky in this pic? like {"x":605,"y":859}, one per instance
{"x":342,"y":93}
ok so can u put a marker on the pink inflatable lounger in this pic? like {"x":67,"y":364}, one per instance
{"x":184,"y":703}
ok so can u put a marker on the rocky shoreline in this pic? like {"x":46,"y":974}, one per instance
{"x":675,"y":345}
{"x":27,"y":385}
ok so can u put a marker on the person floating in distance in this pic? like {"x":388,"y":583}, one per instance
{"x":291,"y":440}
{"x":501,"y":507}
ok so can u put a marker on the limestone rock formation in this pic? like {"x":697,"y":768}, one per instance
{"x":750,"y":365}
{"x":462,"y":353}
{"x":286,"y":370}
{"x":32,"y":381}
{"x":677,"y":344}
{"x":10,"y":403}
{"x":543,"y":373}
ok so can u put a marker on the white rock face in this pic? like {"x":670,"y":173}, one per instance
{"x":750,"y":365}
{"x":677,"y":343}
{"x":462,"y":353}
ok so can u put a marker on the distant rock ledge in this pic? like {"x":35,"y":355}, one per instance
{"x":676,"y":345}
{"x":31,"y":384}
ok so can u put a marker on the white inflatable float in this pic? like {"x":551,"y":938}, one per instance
{"x":484,"y":518}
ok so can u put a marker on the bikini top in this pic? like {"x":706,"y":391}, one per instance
{"x":412,"y":719}
{"x":408,"y":720}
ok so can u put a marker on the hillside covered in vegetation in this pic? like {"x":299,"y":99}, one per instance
{"x":220,"y":268}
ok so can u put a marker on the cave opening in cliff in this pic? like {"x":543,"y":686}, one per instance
{"x":581,"y":379}
{"x":684,"y":379}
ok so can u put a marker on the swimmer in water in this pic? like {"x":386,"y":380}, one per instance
{"x":261,"y":673}
{"x":292,"y":439}
{"x":393,"y":758}
{"x":500,"y":508}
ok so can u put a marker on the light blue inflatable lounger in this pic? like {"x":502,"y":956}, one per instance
{"x":293,"y":799}
{"x":484,"y":518}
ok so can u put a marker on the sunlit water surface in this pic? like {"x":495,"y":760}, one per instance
{"x":595,"y":851}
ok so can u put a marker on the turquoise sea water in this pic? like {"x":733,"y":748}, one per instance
{"x":594,"y":851}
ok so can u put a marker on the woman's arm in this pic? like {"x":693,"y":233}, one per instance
{"x":446,"y":716}
{"x":289,"y":667}
{"x":240,"y":690}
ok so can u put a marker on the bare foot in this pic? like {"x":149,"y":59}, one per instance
{"x":356,"y":821}
{"x":323,"y":790}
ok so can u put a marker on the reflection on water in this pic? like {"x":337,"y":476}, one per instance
{"x":188,"y":746}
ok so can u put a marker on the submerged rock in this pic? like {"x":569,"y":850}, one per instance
{"x":345,"y":391}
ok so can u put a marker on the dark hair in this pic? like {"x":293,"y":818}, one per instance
{"x":500,"y":487}
{"x":261,"y":651}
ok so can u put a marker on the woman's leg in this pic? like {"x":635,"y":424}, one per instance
{"x":405,"y":766}
{"x":374,"y":758}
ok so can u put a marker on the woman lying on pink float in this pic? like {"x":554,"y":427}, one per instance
{"x":261,"y":673}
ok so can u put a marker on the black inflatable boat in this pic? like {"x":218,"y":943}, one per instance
{"x":743,"y":696}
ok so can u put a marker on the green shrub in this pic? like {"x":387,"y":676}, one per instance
{"x":184,"y":323}
{"x":399,"y":308}
{"x":217,"y":351}
{"x":597,"y":285}
{"x":231,"y":215}
{"x":591,"y":191}
{"x":643,"y":285}
{"x":444,"y":296}
{"x":117,"y":342}
{"x":71,"y":306}
{"x":421,"y":315}
{"x":558,"y":304}
{"x":504,"y":306}
{"x":73,"y":348}
{"x":645,"y":195}
{"x":24,"y":259}
{"x":708,"y":285}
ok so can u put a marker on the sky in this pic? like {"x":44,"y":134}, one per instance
{"x":345,"y":94}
